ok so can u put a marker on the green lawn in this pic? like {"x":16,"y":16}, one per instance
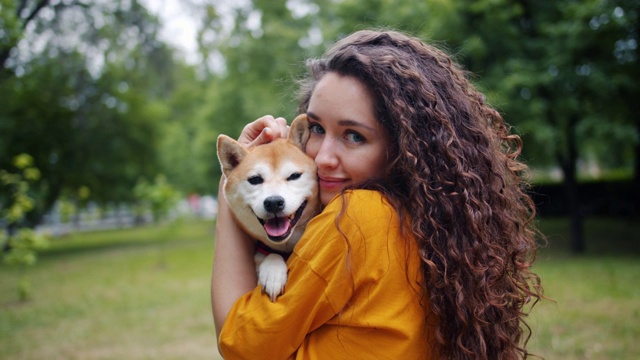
{"x":115,"y":295}
{"x":594,"y":309}
{"x":144,"y":294}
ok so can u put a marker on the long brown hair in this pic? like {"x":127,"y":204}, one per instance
{"x":453,"y":172}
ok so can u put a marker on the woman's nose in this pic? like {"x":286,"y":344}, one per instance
{"x":327,"y":155}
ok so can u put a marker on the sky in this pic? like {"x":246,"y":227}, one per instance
{"x":179,"y":27}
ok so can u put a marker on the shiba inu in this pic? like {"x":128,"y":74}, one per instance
{"x":272,"y":191}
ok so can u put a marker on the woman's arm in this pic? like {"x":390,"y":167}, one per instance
{"x":234,"y":271}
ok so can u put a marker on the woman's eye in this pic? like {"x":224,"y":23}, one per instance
{"x":255,"y":180}
{"x":355,"y":137}
{"x":315,"y":128}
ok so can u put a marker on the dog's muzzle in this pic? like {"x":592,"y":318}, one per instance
{"x":279,"y":228}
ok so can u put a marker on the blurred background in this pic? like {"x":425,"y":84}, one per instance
{"x":109,"y":112}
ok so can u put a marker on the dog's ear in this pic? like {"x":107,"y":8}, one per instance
{"x":299,"y":131}
{"x":230,"y":153}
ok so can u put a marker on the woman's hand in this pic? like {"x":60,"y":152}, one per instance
{"x":263,"y":130}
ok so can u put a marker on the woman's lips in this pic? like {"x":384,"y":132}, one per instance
{"x":331,"y":183}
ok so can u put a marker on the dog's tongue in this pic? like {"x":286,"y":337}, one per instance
{"x":277,"y":226}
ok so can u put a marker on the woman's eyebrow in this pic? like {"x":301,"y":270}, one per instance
{"x":353,"y":123}
{"x":313,"y":116}
{"x":346,"y":122}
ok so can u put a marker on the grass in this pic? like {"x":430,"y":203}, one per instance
{"x":596,"y":310}
{"x":144,"y":294}
{"x":595,"y":307}
{"x":127,"y":294}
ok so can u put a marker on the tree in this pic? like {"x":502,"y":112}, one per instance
{"x":19,"y":246}
{"x":564,"y":83}
{"x":84,"y":93}
{"x":158,"y":196}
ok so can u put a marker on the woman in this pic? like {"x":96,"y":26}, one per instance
{"x":424,"y":247}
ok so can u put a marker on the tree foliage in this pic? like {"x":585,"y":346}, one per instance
{"x":19,"y":246}
{"x":159,"y":197}
{"x":85,"y":92}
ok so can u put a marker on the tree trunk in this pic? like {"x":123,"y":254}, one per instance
{"x":636,"y":171}
{"x":634,"y":112}
{"x":577,"y":244}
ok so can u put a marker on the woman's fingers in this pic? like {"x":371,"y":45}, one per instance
{"x":264,"y":130}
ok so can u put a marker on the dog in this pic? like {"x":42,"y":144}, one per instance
{"x":272,"y":191}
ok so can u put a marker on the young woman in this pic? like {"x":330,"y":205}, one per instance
{"x":425,"y":244}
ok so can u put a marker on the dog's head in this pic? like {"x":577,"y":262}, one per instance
{"x":272,"y":188}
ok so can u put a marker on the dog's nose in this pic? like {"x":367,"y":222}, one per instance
{"x":274,"y":204}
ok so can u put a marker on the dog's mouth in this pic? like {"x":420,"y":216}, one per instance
{"x":279,"y":228}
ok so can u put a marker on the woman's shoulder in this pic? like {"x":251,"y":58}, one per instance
{"x":361,"y":203}
{"x":356,"y":222}
{"x":363,"y":213}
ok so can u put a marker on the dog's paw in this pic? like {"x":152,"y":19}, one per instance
{"x":272,"y":275}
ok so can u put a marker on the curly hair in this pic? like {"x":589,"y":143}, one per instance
{"x":453,"y":172}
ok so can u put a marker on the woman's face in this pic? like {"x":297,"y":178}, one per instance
{"x":347,"y":142}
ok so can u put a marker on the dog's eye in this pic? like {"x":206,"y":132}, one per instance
{"x":294,"y":176}
{"x":255,"y":180}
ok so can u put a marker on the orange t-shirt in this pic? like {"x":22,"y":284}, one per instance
{"x":356,"y":296}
